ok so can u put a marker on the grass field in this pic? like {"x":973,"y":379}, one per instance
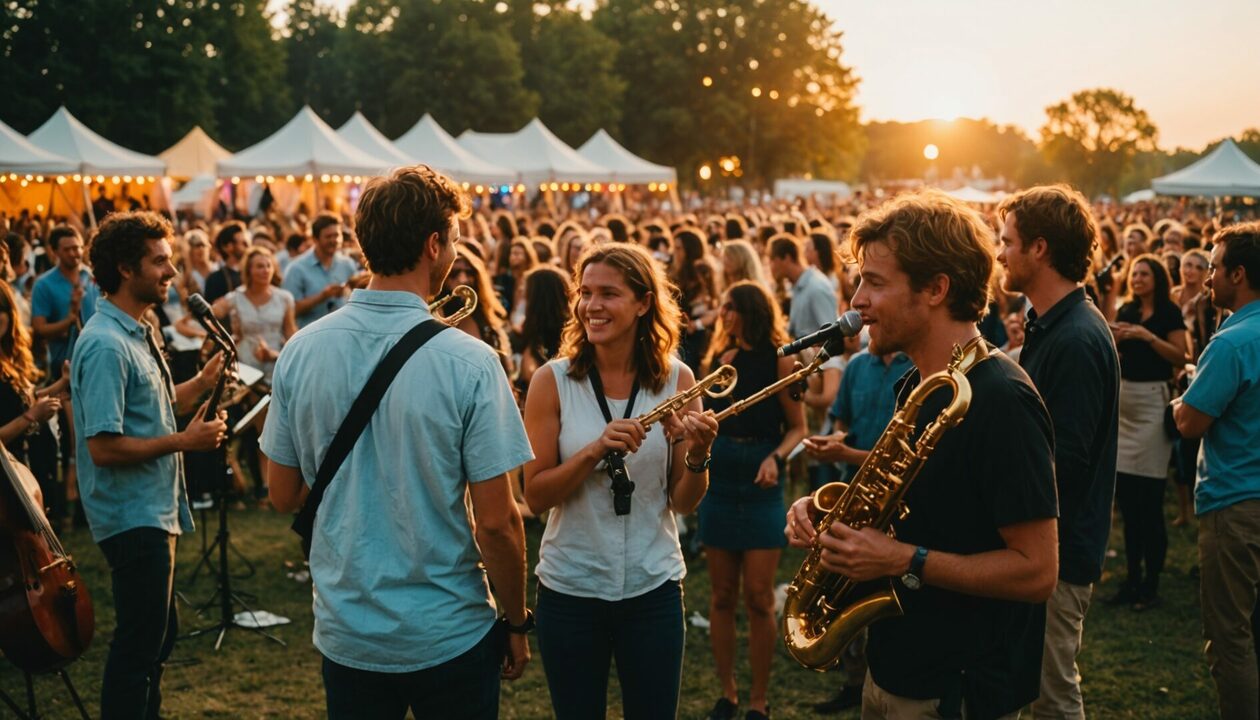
{"x":1144,"y":666}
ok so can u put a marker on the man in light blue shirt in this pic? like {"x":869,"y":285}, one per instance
{"x":63,"y":298}
{"x":131,"y":474}
{"x":1222,"y":406}
{"x":318,"y":279}
{"x":403,"y":613}
{"x":814,"y":301}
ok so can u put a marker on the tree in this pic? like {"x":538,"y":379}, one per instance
{"x":762,"y":82}
{"x":252,"y":94}
{"x":570,"y":64}
{"x":1094,"y":136}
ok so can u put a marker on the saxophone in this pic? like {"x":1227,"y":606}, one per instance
{"x":825,"y":611}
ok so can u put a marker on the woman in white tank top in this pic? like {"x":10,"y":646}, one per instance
{"x":610,"y":581}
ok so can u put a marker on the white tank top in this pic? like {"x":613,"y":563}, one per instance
{"x":587,"y":549}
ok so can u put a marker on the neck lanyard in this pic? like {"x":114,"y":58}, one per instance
{"x":598,"y":386}
{"x":615,"y":462}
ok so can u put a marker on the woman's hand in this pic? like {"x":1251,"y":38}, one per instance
{"x":263,"y":352}
{"x":768,"y":473}
{"x":44,"y":408}
{"x":620,"y":436}
{"x":698,"y":430}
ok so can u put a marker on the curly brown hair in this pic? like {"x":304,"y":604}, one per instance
{"x":397,"y":214}
{"x":123,"y":240}
{"x":932,"y":234}
{"x":657,"y":331}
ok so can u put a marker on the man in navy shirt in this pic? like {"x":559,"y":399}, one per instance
{"x":1048,"y":236}
{"x":1222,"y":406}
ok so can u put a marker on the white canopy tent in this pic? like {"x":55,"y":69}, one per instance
{"x":536,"y":154}
{"x":1226,"y":171}
{"x":195,"y":154}
{"x":63,"y":134}
{"x":798,"y":187}
{"x":1138,"y":196}
{"x":19,"y":155}
{"x":362,"y":134}
{"x":430,"y":144}
{"x":626,"y":167}
{"x":969,"y":194}
{"x":306,"y":145}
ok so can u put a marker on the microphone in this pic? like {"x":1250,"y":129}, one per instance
{"x":204,"y":315}
{"x":847,"y":325}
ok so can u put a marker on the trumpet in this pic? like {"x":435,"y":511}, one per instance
{"x":716,"y":384}
{"x":723,"y":379}
{"x":463,"y":292}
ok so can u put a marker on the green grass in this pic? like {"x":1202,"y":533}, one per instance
{"x":1134,"y":666}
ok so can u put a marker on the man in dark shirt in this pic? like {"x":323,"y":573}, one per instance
{"x":231,"y":242}
{"x":976,"y":555}
{"x":1048,"y":237}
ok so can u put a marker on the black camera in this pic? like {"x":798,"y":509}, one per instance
{"x":622,"y":485}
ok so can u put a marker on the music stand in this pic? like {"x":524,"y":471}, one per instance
{"x":208,"y":548}
{"x":223,"y":595}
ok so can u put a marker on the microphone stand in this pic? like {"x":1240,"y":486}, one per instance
{"x":223,"y":595}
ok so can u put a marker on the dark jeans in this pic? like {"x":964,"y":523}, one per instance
{"x":142,"y":571}
{"x":463,"y":688}
{"x":1141,"y":502}
{"x":577,"y":637}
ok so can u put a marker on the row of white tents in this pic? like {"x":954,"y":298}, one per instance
{"x":308,"y":148}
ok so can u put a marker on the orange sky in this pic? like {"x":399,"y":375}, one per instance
{"x":1194,"y":66}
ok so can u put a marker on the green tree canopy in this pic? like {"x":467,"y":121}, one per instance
{"x":1093,"y":137}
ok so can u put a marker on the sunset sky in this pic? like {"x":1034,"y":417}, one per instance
{"x":1194,"y":66}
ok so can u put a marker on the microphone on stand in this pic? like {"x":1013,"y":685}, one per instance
{"x":204,"y":315}
{"x":847,"y":325}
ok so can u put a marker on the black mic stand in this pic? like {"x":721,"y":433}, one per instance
{"x":223,"y":595}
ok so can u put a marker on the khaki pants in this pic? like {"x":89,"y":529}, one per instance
{"x":878,"y":704}
{"x":1060,"y":678}
{"x":1229,"y":558}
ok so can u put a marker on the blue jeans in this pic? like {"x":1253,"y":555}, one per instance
{"x":463,"y":688}
{"x":142,"y":571}
{"x":577,"y":637}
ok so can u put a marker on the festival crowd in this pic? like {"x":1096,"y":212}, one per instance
{"x":1111,"y":351}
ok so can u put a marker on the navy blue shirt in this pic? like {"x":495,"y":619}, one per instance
{"x":1071,"y":357}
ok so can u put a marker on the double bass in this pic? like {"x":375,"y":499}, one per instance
{"x":46,"y":615}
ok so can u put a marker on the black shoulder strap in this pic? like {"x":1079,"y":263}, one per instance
{"x":357,"y":419}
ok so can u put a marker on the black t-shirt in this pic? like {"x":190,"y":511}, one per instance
{"x":994,"y":469}
{"x":765,"y":420}
{"x":1138,"y":360}
{"x":12,"y":405}
{"x":1071,"y":357}
{"x":221,"y":282}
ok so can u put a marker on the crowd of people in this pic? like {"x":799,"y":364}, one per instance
{"x":1078,"y":327}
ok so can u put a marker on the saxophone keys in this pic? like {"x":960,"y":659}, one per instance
{"x":903,"y":511}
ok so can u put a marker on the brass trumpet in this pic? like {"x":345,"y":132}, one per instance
{"x":463,"y":292}
{"x":724,"y":379}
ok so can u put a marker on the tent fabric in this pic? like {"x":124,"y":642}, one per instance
{"x":306,"y":144}
{"x":195,"y":154}
{"x":1226,"y":171}
{"x":430,"y":144}
{"x":626,"y":167}
{"x":19,"y":155}
{"x":536,"y":154}
{"x":791,"y":188}
{"x":63,"y":134}
{"x":1138,"y":196}
{"x":970,"y":194}
{"x":362,"y":134}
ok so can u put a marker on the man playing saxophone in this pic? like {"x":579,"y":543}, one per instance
{"x":975,"y":558}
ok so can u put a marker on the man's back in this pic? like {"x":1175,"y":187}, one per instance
{"x":395,"y":567}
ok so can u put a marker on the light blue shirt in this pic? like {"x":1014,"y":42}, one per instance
{"x":397,"y":578}
{"x":305,"y":276}
{"x":119,"y":388}
{"x":50,"y":299}
{"x":1227,"y":387}
{"x":814,"y":303}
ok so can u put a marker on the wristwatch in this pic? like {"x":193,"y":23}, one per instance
{"x":700,"y":467}
{"x":913,"y":579}
{"x":523,"y":627}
